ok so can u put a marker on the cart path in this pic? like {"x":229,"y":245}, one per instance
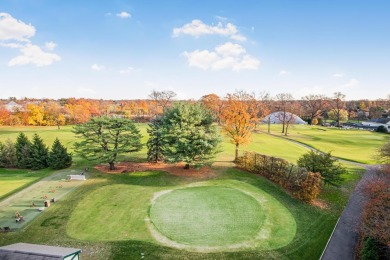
{"x":343,"y":241}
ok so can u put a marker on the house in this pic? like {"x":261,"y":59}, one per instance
{"x":13,"y":106}
{"x":38,"y":252}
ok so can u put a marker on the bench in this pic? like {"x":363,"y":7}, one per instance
{"x":76,"y":177}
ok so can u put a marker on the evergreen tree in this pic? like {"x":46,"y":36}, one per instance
{"x":7,"y":154}
{"x":23,"y":151}
{"x":189,"y":134}
{"x":155,"y":141}
{"x":104,"y":139}
{"x":59,"y":158}
{"x":39,"y":153}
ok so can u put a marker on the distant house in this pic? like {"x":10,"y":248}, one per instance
{"x":12,"y":106}
{"x":277,"y":118}
{"x":378,"y":122}
{"x":38,"y":252}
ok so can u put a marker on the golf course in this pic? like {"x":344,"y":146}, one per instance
{"x":220,"y":213}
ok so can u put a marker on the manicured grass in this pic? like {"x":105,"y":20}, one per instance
{"x":13,"y":180}
{"x":354,"y":145}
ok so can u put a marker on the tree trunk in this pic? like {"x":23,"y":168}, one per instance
{"x":286,"y":130}
{"x":187,"y":166}
{"x":112,"y":166}
{"x":236,"y":156}
{"x":269,"y":124}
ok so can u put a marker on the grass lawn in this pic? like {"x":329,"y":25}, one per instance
{"x":13,"y":180}
{"x":354,"y":145}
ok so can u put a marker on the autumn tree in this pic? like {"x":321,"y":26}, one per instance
{"x":104,"y":139}
{"x":36,"y":114}
{"x":54,"y":114}
{"x":189,"y":134}
{"x":340,"y":115}
{"x":314,"y":104}
{"x":23,"y":151}
{"x":325,"y":164}
{"x":238,"y":118}
{"x":337,"y":105}
{"x":5,"y":116}
{"x":59,"y":158}
{"x":39,"y":153}
{"x":384,"y":152}
{"x":155,"y":143}
{"x":214,"y":103}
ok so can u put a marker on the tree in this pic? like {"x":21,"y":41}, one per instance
{"x":313,"y":104}
{"x":23,"y":151}
{"x":36,"y":114}
{"x":324,"y":164}
{"x":7,"y":154}
{"x":54,"y":114}
{"x":189,"y":134}
{"x":384,"y":152}
{"x":5,"y":116}
{"x":314,"y":121}
{"x":284,"y":101}
{"x":238,"y":118}
{"x":104,"y":139}
{"x":59,"y":158}
{"x":214,"y":103}
{"x":337,"y":105}
{"x":161,"y":100}
{"x":338,"y":115}
{"x":155,"y":143}
{"x":39,"y":153}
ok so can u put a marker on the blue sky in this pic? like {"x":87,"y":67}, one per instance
{"x":125,"y":49}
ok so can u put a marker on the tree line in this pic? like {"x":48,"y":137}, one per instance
{"x":312,"y":108}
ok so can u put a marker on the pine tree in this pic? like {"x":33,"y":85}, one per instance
{"x":155,"y":141}
{"x":39,"y":153}
{"x":7,"y":154}
{"x":23,"y":152}
{"x":59,"y":158}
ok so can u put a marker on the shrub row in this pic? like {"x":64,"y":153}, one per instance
{"x":302,"y":184}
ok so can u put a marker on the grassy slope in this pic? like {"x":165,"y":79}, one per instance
{"x":353,"y":145}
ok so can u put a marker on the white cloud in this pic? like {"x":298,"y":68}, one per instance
{"x":97,"y":67}
{"x":50,"y":46}
{"x":338,"y":75}
{"x":33,"y":54}
{"x":123,"y":15}
{"x":351,"y":83}
{"x":12,"y":29}
{"x":197,"y":28}
{"x":226,"y":56}
{"x":16,"y":34}
{"x":284,"y":73}
{"x":128,"y":70}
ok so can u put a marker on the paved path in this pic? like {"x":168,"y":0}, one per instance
{"x":343,"y":241}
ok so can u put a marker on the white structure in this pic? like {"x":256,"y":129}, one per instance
{"x":277,"y":118}
{"x":378,"y":122}
{"x":38,"y":252}
{"x":76,"y":177}
{"x":13,"y":106}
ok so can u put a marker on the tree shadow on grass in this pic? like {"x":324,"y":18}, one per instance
{"x":149,"y":178}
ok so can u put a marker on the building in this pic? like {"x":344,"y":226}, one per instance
{"x":378,"y":122}
{"x":13,"y":106}
{"x":38,"y":252}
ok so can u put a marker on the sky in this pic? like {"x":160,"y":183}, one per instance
{"x":126,"y":49}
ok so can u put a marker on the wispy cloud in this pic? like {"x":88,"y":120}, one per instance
{"x":197,"y":28}
{"x":97,"y":67}
{"x":128,"y":70}
{"x":352,"y":83}
{"x":284,"y":73}
{"x":50,"y":46}
{"x":123,"y":15}
{"x":338,"y":75}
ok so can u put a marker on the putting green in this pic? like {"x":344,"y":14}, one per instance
{"x":207,"y":216}
{"x":220,"y":216}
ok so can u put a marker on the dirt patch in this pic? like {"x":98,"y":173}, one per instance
{"x":320,"y":204}
{"x":175,"y":169}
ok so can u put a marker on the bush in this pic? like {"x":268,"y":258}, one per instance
{"x":302,"y":184}
{"x":7,"y":154}
{"x":370,"y":249}
{"x":382,"y":129}
{"x":39,"y":153}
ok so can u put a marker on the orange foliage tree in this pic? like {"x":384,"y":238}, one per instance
{"x":5,"y":116}
{"x":238,"y":118}
{"x":213,"y":103}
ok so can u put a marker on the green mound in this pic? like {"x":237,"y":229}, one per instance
{"x":207,"y":216}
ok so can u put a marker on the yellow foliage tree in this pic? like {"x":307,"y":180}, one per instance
{"x":36,"y":114}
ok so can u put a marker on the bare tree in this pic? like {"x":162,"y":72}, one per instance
{"x":337,"y":104}
{"x":284,"y":101}
{"x":161,"y":100}
{"x":314,"y":104}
